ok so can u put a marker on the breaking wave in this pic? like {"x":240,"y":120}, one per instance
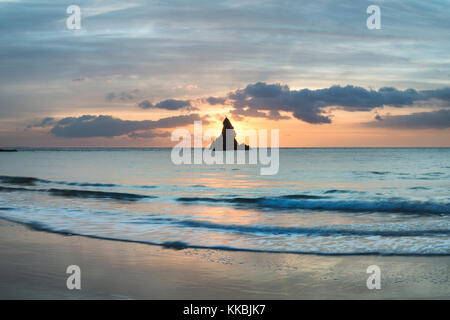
{"x":74,"y":193}
{"x":318,"y":231}
{"x":299,"y":202}
{"x":98,"y":194}
{"x":31,"y":181}
{"x":182,"y":245}
{"x":27,"y":181}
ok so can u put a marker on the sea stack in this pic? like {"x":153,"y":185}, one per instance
{"x":220,"y":144}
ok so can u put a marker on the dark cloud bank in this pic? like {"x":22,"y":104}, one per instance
{"x":89,"y":126}
{"x":267,"y":100}
{"x":170,"y":104}
{"x":439,"y":119}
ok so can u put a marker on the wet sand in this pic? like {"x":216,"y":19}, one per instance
{"x":33,"y":266}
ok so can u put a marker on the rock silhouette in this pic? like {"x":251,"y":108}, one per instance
{"x":220,"y":144}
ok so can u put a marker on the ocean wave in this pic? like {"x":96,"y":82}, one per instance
{"x":100,"y":185}
{"x":14,"y":189}
{"x":242,"y":200}
{"x":32,"y":181}
{"x":86,"y":184}
{"x":182,"y":245}
{"x":74,"y":193}
{"x":396,"y":206}
{"x":226,"y":200}
{"x":380,"y":172}
{"x":317,"y":231}
{"x":27,"y":181}
{"x":303,"y":196}
{"x":434,"y":174}
{"x":98,"y":194}
{"x":342,"y":191}
{"x":362,"y":173}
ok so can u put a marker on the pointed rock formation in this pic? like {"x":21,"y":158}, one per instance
{"x":220,"y":144}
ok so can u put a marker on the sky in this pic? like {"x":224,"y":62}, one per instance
{"x":138,"y":70}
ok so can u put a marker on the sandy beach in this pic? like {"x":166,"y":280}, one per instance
{"x":34,"y":267}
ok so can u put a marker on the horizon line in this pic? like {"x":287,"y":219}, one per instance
{"x":299,"y":147}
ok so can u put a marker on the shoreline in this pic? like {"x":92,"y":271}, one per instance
{"x":179,"y":245}
{"x":34,"y":267}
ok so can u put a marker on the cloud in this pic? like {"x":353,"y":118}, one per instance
{"x":261,"y":90}
{"x":440,"y":94}
{"x":123,"y":96}
{"x":148,"y":135}
{"x":439,"y":119}
{"x":213,"y":100}
{"x":145,"y":104}
{"x":47,"y":121}
{"x":146,"y":39}
{"x":169,"y":104}
{"x":310,"y":105}
{"x":172,"y":104}
{"x":88,"y":126}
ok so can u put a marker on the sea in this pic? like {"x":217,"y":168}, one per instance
{"x":323,"y":201}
